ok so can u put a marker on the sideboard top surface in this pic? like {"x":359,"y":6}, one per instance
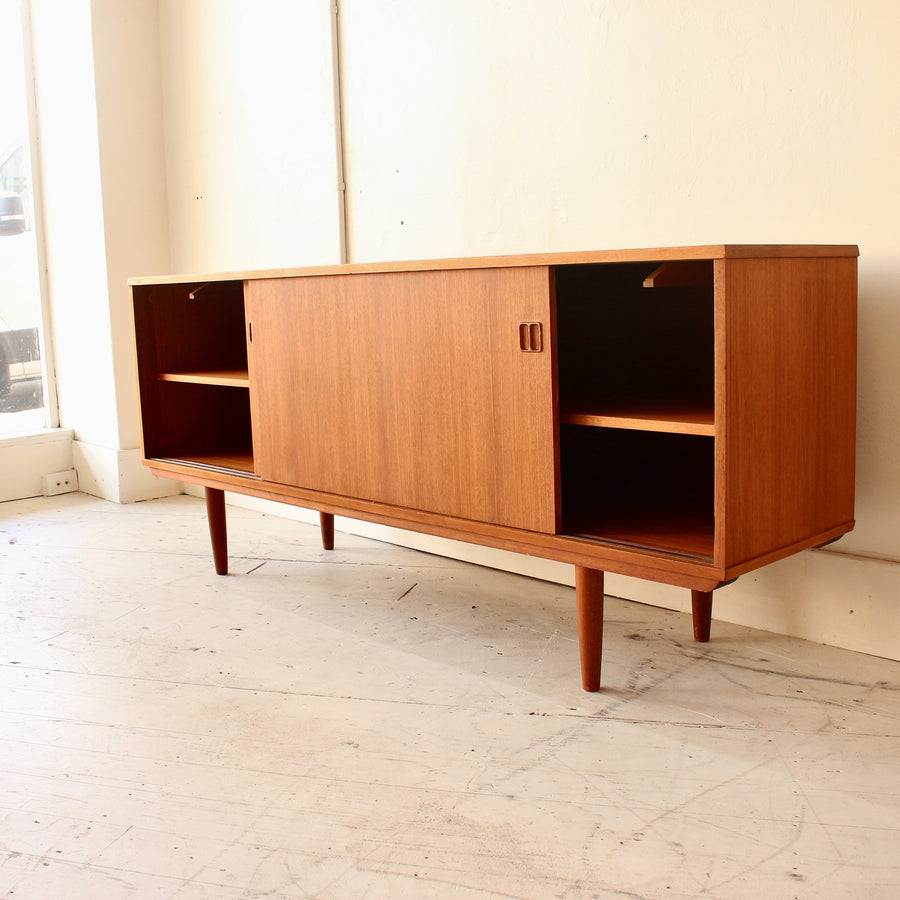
{"x":576,"y":257}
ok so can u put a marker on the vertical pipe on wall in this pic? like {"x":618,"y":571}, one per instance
{"x":339,"y":130}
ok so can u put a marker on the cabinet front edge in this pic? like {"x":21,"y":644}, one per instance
{"x":649,"y":565}
{"x":568,"y":257}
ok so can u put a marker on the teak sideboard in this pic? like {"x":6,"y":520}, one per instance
{"x":684,"y":414}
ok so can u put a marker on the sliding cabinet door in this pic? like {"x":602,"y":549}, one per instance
{"x":432,"y":390}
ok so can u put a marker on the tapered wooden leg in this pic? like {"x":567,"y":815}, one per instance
{"x":326,"y":526}
{"x":701,"y":606}
{"x":218,"y":534}
{"x":589,"y":600}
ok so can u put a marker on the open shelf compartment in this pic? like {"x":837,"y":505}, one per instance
{"x":206,"y":425}
{"x":192,"y":371}
{"x":639,"y":489}
{"x":635,"y":345}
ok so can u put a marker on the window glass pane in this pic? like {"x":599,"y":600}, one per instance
{"x":22,"y":388}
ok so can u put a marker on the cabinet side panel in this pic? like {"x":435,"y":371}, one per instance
{"x":789,"y":402}
{"x":147,"y":369}
{"x":409,"y":389}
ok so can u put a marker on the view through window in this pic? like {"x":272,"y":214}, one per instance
{"x":22,"y":389}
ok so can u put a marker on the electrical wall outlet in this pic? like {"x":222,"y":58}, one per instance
{"x":60,"y":483}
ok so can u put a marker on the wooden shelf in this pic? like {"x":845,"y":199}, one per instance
{"x":673,"y":418}
{"x":222,"y":377}
{"x":642,"y":489}
{"x":236,"y":461}
{"x":683,"y":532}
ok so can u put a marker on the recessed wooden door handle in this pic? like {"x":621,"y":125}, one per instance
{"x":531,"y":338}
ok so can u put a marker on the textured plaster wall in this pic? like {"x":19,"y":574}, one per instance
{"x":484,"y":126}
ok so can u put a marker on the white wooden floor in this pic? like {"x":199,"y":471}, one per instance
{"x":379,"y":723}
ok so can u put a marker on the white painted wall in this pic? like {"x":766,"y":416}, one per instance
{"x":482,"y":126}
{"x":250,"y":140}
{"x":133,"y":175}
{"x":73,"y":217}
{"x":99,"y":112}
{"x":26,"y":458}
{"x":478,"y":126}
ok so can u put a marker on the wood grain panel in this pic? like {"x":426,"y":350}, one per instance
{"x":567,"y":258}
{"x":409,"y":389}
{"x":234,"y":461}
{"x":653,"y":564}
{"x":688,"y":419}
{"x":147,"y":369}
{"x":222,"y":377}
{"x":786,"y":469}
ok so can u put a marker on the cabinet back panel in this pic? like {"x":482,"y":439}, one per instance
{"x":206,"y":332}
{"x":621,"y":343}
{"x":197,"y":420}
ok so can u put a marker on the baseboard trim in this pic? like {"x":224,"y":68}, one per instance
{"x":826,"y":596}
{"x":25,"y":460}
{"x":118,"y":475}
